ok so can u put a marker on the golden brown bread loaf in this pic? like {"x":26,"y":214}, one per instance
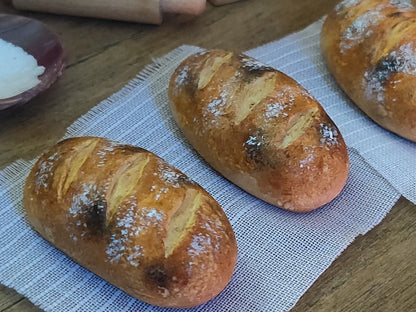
{"x":126,"y":215}
{"x":260,"y":129}
{"x":370,"y":48}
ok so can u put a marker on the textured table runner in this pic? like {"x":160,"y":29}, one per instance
{"x":281,"y":253}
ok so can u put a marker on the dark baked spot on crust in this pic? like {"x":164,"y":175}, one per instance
{"x":87,"y":214}
{"x":255,"y":147}
{"x":96,"y":215}
{"x":387,"y":66}
{"x":395,"y":14}
{"x":251,"y":69}
{"x":384,"y":68}
{"x":131,"y":149}
{"x":248,"y":75}
{"x":157,"y":275}
{"x":191,"y":85}
{"x":185,"y":180}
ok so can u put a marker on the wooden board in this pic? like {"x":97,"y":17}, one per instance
{"x":376,"y":273}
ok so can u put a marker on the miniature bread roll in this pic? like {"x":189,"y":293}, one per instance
{"x":260,"y":129}
{"x":128,"y":216}
{"x":370,"y":48}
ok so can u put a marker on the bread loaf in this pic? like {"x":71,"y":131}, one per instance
{"x":370,"y":48}
{"x":128,"y":216}
{"x":260,"y":129}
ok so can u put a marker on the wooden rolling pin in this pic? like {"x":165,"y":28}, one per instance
{"x":142,"y":11}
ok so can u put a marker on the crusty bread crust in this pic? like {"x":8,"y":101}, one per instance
{"x":128,"y":216}
{"x":370,"y":48}
{"x":260,"y":129}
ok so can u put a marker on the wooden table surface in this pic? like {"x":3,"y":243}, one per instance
{"x":375,"y":273}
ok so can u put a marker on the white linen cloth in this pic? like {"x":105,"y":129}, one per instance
{"x":281,"y":253}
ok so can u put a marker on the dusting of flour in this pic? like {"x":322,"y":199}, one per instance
{"x":19,"y":70}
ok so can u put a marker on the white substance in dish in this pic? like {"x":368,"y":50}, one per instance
{"x":19,"y":70}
